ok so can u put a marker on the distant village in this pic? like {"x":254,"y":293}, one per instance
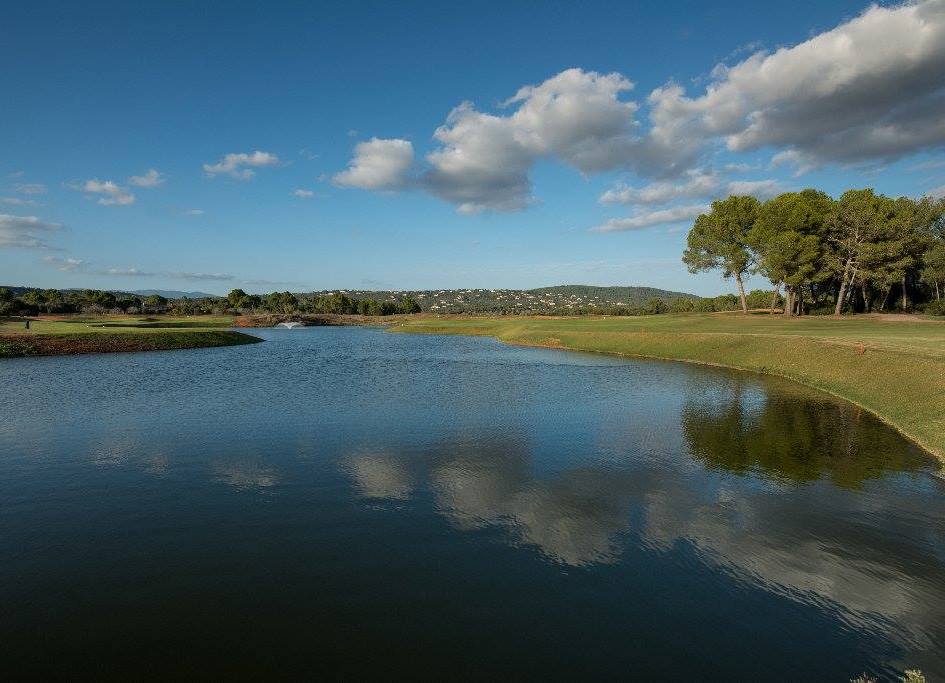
{"x":563,"y":299}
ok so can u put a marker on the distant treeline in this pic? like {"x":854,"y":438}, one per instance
{"x":861,"y":252}
{"x":96,"y":301}
{"x":26,"y":301}
{"x":559,"y":300}
{"x":33,"y":301}
{"x":287,"y":302}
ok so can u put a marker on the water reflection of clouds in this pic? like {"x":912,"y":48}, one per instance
{"x":804,"y":546}
{"x":854,"y":538}
{"x":129,"y":449}
{"x":245,"y":474}
{"x":572,"y":518}
{"x":379,"y":475}
{"x":124,"y":449}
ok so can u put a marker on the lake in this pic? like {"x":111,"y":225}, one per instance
{"x":350,"y":501}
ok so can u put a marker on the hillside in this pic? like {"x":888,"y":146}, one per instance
{"x":633,"y":296}
{"x":542,"y":300}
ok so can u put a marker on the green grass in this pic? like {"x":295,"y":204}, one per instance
{"x":75,"y":335}
{"x":110,"y":324}
{"x":893,"y":367}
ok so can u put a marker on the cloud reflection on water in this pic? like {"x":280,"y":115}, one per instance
{"x":245,"y":474}
{"x":379,"y":475}
{"x":810,"y":500}
{"x":572,"y":519}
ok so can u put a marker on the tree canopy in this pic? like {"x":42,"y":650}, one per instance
{"x":719,"y":240}
{"x":853,"y":252}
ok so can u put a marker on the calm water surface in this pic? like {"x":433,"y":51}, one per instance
{"x":348,"y":501}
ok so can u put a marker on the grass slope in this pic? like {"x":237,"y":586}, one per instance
{"x":893,"y":367}
{"x":50,"y":337}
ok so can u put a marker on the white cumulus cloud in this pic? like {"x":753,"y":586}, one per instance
{"x":303,"y":193}
{"x":152,"y":178}
{"x":869,"y":89}
{"x":697,"y":184}
{"x":676,"y":214}
{"x":240,"y":165}
{"x":481,"y":164}
{"x":110,"y":193}
{"x":378,"y":164}
{"x":575,"y":116}
{"x":483,"y":160}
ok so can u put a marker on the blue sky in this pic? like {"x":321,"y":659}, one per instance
{"x":579,"y":179}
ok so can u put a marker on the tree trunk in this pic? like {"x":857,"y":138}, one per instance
{"x":850,"y":288}
{"x":800,"y":301}
{"x":741,"y":293}
{"x":788,"y":300}
{"x":777,"y":288}
{"x":843,"y":290}
{"x":905,"y":297}
{"x":938,"y":294}
{"x":882,"y":306}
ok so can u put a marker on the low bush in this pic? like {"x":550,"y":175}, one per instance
{"x":935,"y":307}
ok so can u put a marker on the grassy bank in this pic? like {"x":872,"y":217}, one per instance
{"x":892,"y":366}
{"x":75,"y":335}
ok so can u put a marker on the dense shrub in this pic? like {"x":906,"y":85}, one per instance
{"x":761,"y":298}
{"x":936,"y":307}
{"x":655,"y":306}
